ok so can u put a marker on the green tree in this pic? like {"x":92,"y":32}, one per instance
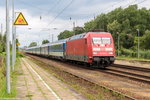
{"x":114,"y":27}
{"x":145,"y":40}
{"x":32,"y":44}
{"x":78,"y":30}
{"x":101,"y":22}
{"x":91,"y":25}
{"x":45,"y":41}
{"x":65,"y":34}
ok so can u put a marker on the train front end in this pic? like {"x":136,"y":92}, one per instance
{"x":102,"y":51}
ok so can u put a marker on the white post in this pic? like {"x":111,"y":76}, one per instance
{"x":138,"y":43}
{"x":7,"y":48}
{"x":118,"y":42}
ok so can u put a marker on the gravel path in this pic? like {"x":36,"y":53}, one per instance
{"x":37,"y":84}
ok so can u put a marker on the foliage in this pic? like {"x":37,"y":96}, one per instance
{"x":45,"y":41}
{"x":19,"y":54}
{"x":2,"y":43}
{"x":65,"y":34}
{"x":125,"y":21}
{"x":146,"y":40}
{"x":32,"y":44}
{"x":132,"y":53}
{"x":13,"y":76}
{"x":90,"y":26}
{"x":17,"y":41}
{"x":78,"y":30}
{"x":114,"y":26}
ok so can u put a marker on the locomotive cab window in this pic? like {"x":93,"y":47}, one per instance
{"x":101,"y":40}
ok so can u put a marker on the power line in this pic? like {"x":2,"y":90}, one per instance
{"x":142,"y":1}
{"x":31,"y":5}
{"x":89,"y":17}
{"x":129,"y":4}
{"x":53,"y":7}
{"x":61,"y":12}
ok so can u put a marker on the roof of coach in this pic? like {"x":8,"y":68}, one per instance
{"x":33,"y":47}
{"x":56,"y":42}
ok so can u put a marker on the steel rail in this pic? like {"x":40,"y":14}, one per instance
{"x":132,"y":67}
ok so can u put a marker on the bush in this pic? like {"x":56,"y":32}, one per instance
{"x":130,"y":53}
{"x":145,"y":54}
{"x":20,"y":54}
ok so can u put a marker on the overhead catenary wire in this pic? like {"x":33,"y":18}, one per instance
{"x":60,"y":12}
{"x":120,"y":6}
{"x":131,"y":3}
{"x":142,"y":1}
{"x":32,"y":5}
{"x":53,"y":7}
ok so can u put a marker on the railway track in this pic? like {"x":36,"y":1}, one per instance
{"x":131,"y":67}
{"x":131,"y":72}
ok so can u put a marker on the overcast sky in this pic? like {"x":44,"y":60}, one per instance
{"x":47,"y":17}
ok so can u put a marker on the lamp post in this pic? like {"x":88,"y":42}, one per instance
{"x":138,"y":42}
{"x":118,"y":42}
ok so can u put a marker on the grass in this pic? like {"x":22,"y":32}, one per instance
{"x":13,"y":79}
{"x":132,"y":58}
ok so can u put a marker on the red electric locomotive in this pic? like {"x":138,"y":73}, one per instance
{"x":92,"y":48}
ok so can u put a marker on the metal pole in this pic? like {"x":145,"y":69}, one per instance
{"x":13,"y":37}
{"x":118,"y":42}
{"x":15,"y":41}
{"x":7,"y":49}
{"x":52,"y":37}
{"x":138,"y":43}
{"x":74,"y":27}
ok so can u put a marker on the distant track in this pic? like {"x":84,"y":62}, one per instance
{"x":130,"y":72}
{"x":131,"y":67}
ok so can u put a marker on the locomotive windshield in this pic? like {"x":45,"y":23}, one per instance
{"x":101,"y":40}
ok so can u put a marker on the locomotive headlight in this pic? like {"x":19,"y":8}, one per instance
{"x":95,"y":53}
{"x":110,"y":52}
{"x":96,"y":49}
{"x":109,"y":49}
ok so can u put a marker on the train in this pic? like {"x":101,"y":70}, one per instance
{"x":95,"y":49}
